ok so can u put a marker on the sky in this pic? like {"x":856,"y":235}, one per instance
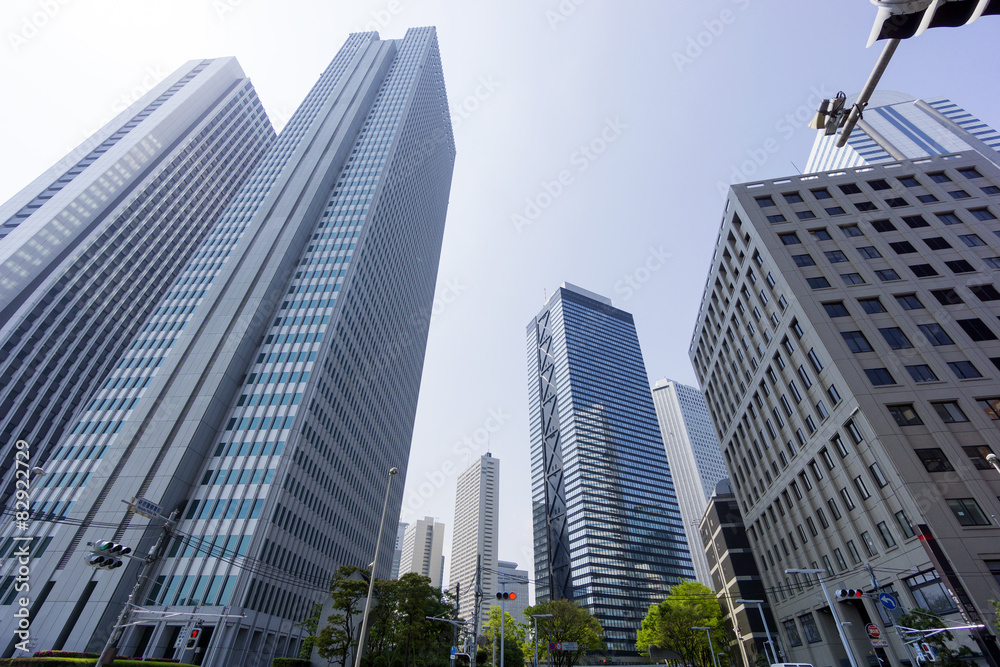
{"x":595,"y":140}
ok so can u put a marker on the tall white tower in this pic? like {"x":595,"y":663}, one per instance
{"x":422,"y":550}
{"x":476,"y":515}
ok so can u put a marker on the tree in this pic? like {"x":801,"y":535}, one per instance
{"x":514,"y":635}
{"x":669,"y":624}
{"x":569,"y":623}
{"x":348,"y":589}
{"x":996,"y":618}
{"x":311,"y":625}
{"x":925,"y":619}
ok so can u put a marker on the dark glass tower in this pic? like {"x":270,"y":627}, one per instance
{"x":608,"y":531}
{"x":270,"y":390}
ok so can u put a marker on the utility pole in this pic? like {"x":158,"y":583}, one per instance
{"x":875,"y":585}
{"x":477,"y":598}
{"x":454,"y":628}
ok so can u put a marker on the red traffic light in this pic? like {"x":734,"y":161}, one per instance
{"x":194,"y":633}
{"x":850,"y":593}
{"x":506,"y":596}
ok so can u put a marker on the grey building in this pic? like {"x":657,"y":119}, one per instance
{"x":271,"y":389}
{"x":607,"y":529}
{"x":513,"y":580}
{"x":696,"y":464}
{"x":849,"y":349}
{"x":90,"y":248}
{"x":422,"y":550}
{"x":397,"y":553}
{"x":897,"y":126}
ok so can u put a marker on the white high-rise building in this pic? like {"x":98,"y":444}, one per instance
{"x":476,"y":518}
{"x":897,"y":126}
{"x":696,"y":463}
{"x":423,"y":550}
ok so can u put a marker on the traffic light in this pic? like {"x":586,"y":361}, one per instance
{"x":193,"y":639}
{"x":928,"y":652}
{"x":506,"y":596}
{"x":106,"y":555}
{"x":850,"y":594}
{"x":831,"y":115}
{"x":901,"y":19}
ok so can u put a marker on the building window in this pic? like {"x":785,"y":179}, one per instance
{"x":827,"y":459}
{"x":935,"y":335}
{"x":836,"y":309}
{"x":939,"y":177}
{"x":804,"y":376}
{"x":887,"y":275}
{"x":950,"y":412}
{"x":789,"y":238}
{"x":765,"y":202}
{"x":846,"y":496}
{"x":930,"y":593}
{"x":964,"y":370}
{"x":970,"y":172}
{"x":850,"y":188}
{"x":904,"y":525}
{"x":856,"y":341}
{"x":852,"y":278}
{"x":879,"y":184}
{"x":905,"y":415}
{"x":923,"y":270}
{"x":820,"y":234}
{"x":883,"y":226}
{"x":879,"y":376}
{"x":869,"y":252}
{"x":972,"y":240}
{"x":822,"y":518}
{"x":909,"y":301}
{"x":833,"y":394}
{"x":841,"y":563}
{"x":828,"y":566}
{"x":805,"y":215}
{"x":947,"y":296}
{"x":865,"y":206}
{"x":810,"y":629}
{"x":821,"y":193}
{"x":814,"y":360}
{"x":927,"y":199}
{"x":902,"y":247}
{"x":822,"y":411}
{"x":968,"y":512}
{"x":915,"y":221}
{"x":991,"y":406}
{"x":959,"y":266}
{"x":872,"y":305}
{"x":818,"y":283}
{"x":990,"y":190}
{"x":817,"y":473}
{"x":977,"y":329}
{"x":777,"y":217}
{"x":834,"y":510}
{"x":922,"y":373}
{"x":803,"y":260}
{"x":937,"y":243}
{"x":959,"y":194}
{"x":835,"y":256}
{"x":862,"y":488}
{"x":869,"y":545}
{"x":878,"y":475}
{"x":934,"y":459}
{"x":854,"y":432}
{"x":792,"y":632}
{"x":948,"y":218}
{"x":978,"y":454}
{"x":985,"y":292}
{"x":853,"y":550}
{"x":992,"y":262}
{"x":895,"y":337}
{"x":792,"y":197}
{"x":850,"y":231}
{"x":982,"y":214}
{"x":838,"y":444}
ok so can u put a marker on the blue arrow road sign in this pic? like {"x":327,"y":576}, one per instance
{"x":887,"y":601}
{"x":453,"y":650}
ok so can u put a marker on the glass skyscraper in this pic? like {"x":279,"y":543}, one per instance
{"x":607,"y":528}
{"x":268,"y":392}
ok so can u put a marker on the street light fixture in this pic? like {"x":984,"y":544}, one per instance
{"x":833,"y":609}
{"x":992,"y":459}
{"x":371,"y":580}
{"x":760,"y":607}
{"x":708,"y":631}
{"x":536,"y":617}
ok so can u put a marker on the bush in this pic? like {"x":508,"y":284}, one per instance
{"x":65,"y":654}
{"x":290,"y":662}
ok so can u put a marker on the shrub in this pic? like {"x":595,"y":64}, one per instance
{"x":290,"y":662}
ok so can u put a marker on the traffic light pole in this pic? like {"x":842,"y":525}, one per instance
{"x":110,"y":648}
{"x":866,"y":92}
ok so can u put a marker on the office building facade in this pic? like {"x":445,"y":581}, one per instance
{"x":897,"y":126}
{"x":397,"y":552}
{"x":475,"y":540}
{"x":848,"y":346}
{"x":696,"y":464}
{"x":607,"y":529}
{"x":515,"y":581}
{"x":89,"y":248}
{"x":422,"y":551}
{"x":272,"y":388}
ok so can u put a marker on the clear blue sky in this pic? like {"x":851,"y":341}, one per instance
{"x":593,"y":138}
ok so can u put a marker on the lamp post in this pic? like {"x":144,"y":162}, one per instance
{"x":371,"y":580}
{"x":993,"y":461}
{"x":833,"y":610}
{"x":760,"y":607}
{"x":535,"y":618}
{"x":708,"y":631}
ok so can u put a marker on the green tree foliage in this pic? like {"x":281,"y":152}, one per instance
{"x":514,"y":635}
{"x":569,"y":623}
{"x":996,"y":618}
{"x":668,"y":624}
{"x":925,"y":619}
{"x":311,"y":625}
{"x":399,"y":633}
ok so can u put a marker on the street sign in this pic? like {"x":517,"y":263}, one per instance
{"x":873,"y":631}
{"x":880,"y":643}
{"x":888,"y":601}
{"x":569,"y":646}
{"x":454,"y":650}
{"x":145,"y":508}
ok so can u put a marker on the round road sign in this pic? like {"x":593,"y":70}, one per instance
{"x":873,"y":631}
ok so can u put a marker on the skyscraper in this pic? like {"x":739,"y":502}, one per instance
{"x":477,"y":513}
{"x":897,"y":126}
{"x":89,"y":248}
{"x":607,"y":529}
{"x":696,"y":464}
{"x":848,"y":346}
{"x":270,"y":391}
{"x":397,"y":553}
{"x":422,"y":550}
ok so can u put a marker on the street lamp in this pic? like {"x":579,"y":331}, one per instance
{"x":708,"y":631}
{"x":536,"y":617}
{"x":760,"y":607}
{"x":371,"y":581}
{"x":992,"y":459}
{"x":833,"y":609}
